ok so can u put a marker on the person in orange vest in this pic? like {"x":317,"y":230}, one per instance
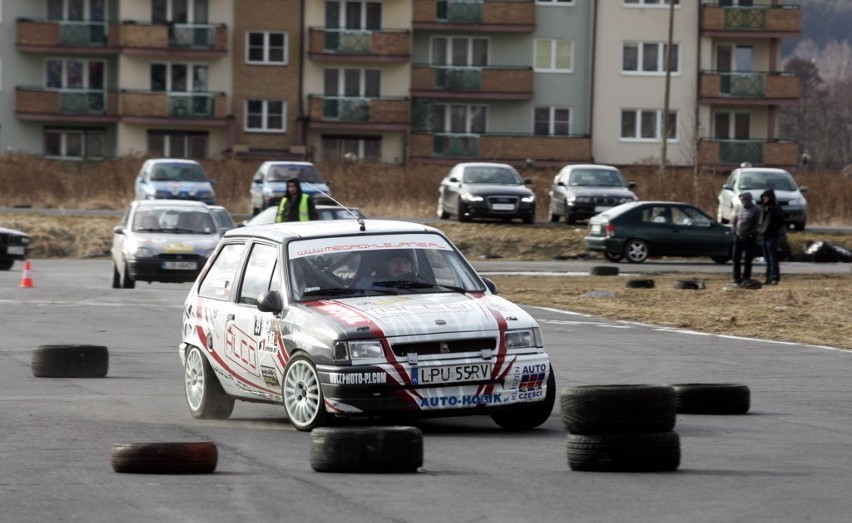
{"x":296,"y":206}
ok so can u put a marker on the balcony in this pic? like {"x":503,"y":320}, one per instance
{"x":172,"y":40}
{"x":759,"y":21}
{"x":508,"y":148}
{"x":513,"y":16}
{"x":749,"y":88}
{"x":67,"y":105}
{"x":774,"y":153}
{"x":66,"y":36}
{"x":491,"y":83}
{"x":347,"y":45}
{"x":358,"y":113}
{"x":155,"y":107}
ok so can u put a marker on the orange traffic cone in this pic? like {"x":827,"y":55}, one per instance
{"x":27,"y":278}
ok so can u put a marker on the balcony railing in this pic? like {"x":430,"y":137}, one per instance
{"x":475,"y":15}
{"x":441,"y":81}
{"x":774,"y":20}
{"x":756,"y":151}
{"x":343,"y":111}
{"x":505,"y":147}
{"x":174,"y":105}
{"x":40,"y":35}
{"x":36,"y":102}
{"x":754,"y":86}
{"x":144,"y":38}
{"x":366,"y":45}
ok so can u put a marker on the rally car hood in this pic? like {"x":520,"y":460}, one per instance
{"x":420,"y":314}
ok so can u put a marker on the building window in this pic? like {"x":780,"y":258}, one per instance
{"x":177,"y":144}
{"x":335,"y":148}
{"x":74,"y":74}
{"x":646,"y":125}
{"x":459,"y":118}
{"x":353,"y":15}
{"x":552,"y":121}
{"x":264,"y":47}
{"x":554,"y":55}
{"x":75,"y":144}
{"x":555,"y":2}
{"x":459,"y":51}
{"x":265,"y":115}
{"x":648,"y":57}
{"x":78,"y":10}
{"x":180,"y":78}
{"x":179,"y":11}
{"x":649,"y":3}
{"x":353,"y":83}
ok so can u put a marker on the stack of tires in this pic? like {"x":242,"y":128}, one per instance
{"x":621,"y":428}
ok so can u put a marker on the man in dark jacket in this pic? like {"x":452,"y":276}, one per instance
{"x":770,"y":227}
{"x":744,"y":226}
{"x":296,"y":206}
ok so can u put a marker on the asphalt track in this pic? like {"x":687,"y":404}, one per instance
{"x":786,"y":460}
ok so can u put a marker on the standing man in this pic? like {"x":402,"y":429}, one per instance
{"x":771,"y":226}
{"x":744,"y":226}
{"x":296,"y":206}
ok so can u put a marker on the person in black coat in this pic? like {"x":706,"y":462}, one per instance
{"x":769,"y":229}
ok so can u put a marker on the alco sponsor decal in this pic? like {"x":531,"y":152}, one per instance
{"x":269,"y":376}
{"x":357,"y":378}
{"x":467,"y":400}
{"x":417,"y":308}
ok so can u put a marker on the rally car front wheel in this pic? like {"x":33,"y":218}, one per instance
{"x":204,"y":393}
{"x":531,"y":415}
{"x":302,"y":394}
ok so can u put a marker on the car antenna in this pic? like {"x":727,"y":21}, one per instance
{"x":360,"y":220}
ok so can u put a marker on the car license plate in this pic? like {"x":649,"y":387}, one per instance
{"x":596,"y":229}
{"x":450,"y":374}
{"x":180,"y":265}
{"x":503,"y":207}
{"x":15,"y":249}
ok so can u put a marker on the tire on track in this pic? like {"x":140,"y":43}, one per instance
{"x":639,"y":283}
{"x":70,"y":361}
{"x":712,"y":398}
{"x":617,"y":409}
{"x":640,"y":452}
{"x":165,"y":458}
{"x":604,"y":270}
{"x":393,"y":449}
{"x":694,"y":285}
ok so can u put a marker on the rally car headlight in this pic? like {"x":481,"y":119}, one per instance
{"x":525,"y":338}
{"x":365,"y":349}
{"x":472,"y":197}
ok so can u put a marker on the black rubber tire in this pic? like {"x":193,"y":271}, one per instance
{"x":554,"y":218}
{"x":165,"y":458}
{"x":205,"y":396}
{"x":70,"y":361}
{"x":116,"y":277}
{"x":604,"y":270}
{"x":5,"y":265}
{"x":126,"y":281}
{"x":302,"y":395}
{"x":639,"y":283}
{"x":617,"y":409}
{"x":721,"y":260}
{"x":615,"y":258}
{"x":442,"y":214}
{"x":528,"y":220}
{"x":641,"y":452}
{"x":636,"y":251}
{"x":531,"y":415}
{"x":463,"y":218}
{"x":366,"y":449}
{"x":695,"y":285}
{"x":712,"y":398}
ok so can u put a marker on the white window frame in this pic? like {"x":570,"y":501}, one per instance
{"x":653,"y":4}
{"x":554,"y":43}
{"x":469,"y":44}
{"x":190,"y":81}
{"x":551,"y":120}
{"x":661,"y":59}
{"x":84,"y":135}
{"x":658,"y":126}
{"x":447,"y":125}
{"x":265,"y":115}
{"x":86,"y":78}
{"x":266,"y":48}
{"x":555,"y":3}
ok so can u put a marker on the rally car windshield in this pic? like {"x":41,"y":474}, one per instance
{"x":377,"y":265}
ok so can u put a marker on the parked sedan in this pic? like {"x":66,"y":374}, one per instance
{"x":164,"y":241}
{"x":755,"y":180}
{"x":174,"y":179}
{"x":638,"y":230}
{"x":280,"y":316}
{"x":485,"y":190}
{"x":584,"y":190}
{"x":269,"y":183}
{"x":14,"y":245}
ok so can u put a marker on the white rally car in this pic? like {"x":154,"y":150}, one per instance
{"x":304,"y":314}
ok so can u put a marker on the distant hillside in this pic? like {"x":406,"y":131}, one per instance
{"x":824,"y":21}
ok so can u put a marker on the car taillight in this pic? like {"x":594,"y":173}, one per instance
{"x":610,"y":230}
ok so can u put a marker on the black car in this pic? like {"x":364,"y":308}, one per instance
{"x":486,"y":190}
{"x":636,"y":231}
{"x":14,"y":245}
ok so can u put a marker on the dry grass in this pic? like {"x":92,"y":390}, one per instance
{"x":805,"y":308}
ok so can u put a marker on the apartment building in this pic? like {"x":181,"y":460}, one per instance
{"x":543,"y":82}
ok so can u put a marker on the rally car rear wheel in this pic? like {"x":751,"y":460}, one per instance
{"x":302,"y":394}
{"x":531,"y":415}
{"x":204,"y":394}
